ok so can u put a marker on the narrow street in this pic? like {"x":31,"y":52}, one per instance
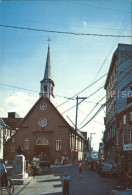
{"x":91,"y":183}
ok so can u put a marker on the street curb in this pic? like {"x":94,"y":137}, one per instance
{"x":24,"y":186}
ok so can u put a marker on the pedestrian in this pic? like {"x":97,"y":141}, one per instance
{"x":65,"y":181}
{"x":80,"y":168}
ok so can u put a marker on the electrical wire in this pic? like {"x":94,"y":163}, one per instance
{"x":90,"y":94}
{"x":101,"y":107}
{"x":92,"y":109}
{"x":18,"y":88}
{"x":83,"y":100}
{"x":63,"y":32}
{"x":108,"y":100}
{"x":123,"y":27}
{"x":83,"y":89}
{"x":89,"y":5}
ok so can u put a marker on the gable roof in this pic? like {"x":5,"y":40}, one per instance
{"x":44,"y":97}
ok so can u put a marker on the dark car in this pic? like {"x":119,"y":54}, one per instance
{"x":108,"y":169}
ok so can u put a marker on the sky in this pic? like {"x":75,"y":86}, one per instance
{"x":77,"y":61}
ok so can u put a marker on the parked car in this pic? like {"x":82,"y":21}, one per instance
{"x":127,"y":191}
{"x":107,"y":169}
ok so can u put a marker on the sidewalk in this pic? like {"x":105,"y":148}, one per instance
{"x":19,"y":188}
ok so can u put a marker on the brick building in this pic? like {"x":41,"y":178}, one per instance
{"x":13,"y":121}
{"x":44,"y":132}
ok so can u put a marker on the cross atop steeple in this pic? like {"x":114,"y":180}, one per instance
{"x":49,"y":41}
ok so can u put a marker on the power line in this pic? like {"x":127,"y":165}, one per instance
{"x":92,"y":109}
{"x":18,"y":88}
{"x":101,"y":107}
{"x":67,"y":25}
{"x":112,"y":46}
{"x":89,"y":5}
{"x":90,"y":86}
{"x":83,"y":89}
{"x":104,"y":96}
{"x":83,"y":100}
{"x":63,"y":32}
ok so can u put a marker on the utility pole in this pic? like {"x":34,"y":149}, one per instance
{"x":77,"y":98}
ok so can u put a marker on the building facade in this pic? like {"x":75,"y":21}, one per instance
{"x":44,"y":132}
{"x":118,"y":101}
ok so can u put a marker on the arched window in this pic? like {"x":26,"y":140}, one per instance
{"x":42,"y":141}
{"x":26,"y":144}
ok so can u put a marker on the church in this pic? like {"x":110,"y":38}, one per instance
{"x":44,"y":131}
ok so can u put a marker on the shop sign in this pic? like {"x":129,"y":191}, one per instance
{"x":127,"y":147}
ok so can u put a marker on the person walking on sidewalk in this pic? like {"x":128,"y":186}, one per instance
{"x":80,"y":168}
{"x":65,"y":181}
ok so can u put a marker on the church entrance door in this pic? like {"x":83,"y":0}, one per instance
{"x":41,"y":147}
{"x":39,"y":150}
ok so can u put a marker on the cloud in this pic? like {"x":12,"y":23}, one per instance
{"x":20,"y":102}
{"x":85,"y":24}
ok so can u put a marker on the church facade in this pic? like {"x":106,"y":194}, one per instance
{"x":44,"y":132}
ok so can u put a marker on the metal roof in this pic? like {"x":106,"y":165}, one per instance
{"x":47,"y":74}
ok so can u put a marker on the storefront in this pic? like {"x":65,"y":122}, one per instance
{"x":127,"y":155}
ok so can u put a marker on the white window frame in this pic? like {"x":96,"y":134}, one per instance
{"x":130,"y":116}
{"x":70,"y":141}
{"x":123,"y":138}
{"x":26,"y":144}
{"x":73,"y":141}
{"x":124,"y":119}
{"x":130,"y":136}
{"x":58,"y":144}
{"x":13,"y":148}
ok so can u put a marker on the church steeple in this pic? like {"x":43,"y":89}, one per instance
{"x":47,"y":74}
{"x":47,"y":84}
